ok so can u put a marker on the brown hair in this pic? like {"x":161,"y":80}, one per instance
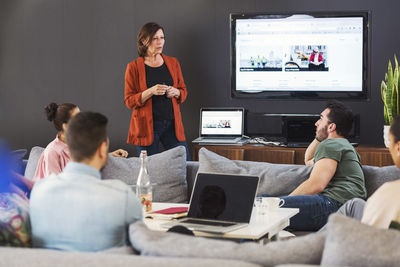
{"x":86,"y":131}
{"x":145,"y":35}
{"x":59,"y":114}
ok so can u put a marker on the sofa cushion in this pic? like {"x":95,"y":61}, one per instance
{"x":167,"y":170}
{"x":351,"y":243}
{"x":306,"y":250}
{"x":55,"y":258}
{"x":275,"y":179}
{"x":377,"y":176}
{"x":33,"y":160}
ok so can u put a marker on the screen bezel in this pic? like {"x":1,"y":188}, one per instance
{"x":305,"y":95}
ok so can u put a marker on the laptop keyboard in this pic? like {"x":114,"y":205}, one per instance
{"x":207,"y":222}
{"x":219,"y":140}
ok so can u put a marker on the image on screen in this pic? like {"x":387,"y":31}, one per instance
{"x":221,"y":122}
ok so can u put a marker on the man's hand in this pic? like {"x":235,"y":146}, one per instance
{"x":309,"y":154}
{"x":120,"y":153}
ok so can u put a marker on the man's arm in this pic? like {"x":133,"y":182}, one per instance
{"x":321,"y":174}
{"x":309,"y":155}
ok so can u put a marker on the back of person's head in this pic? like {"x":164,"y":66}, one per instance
{"x":145,"y":36}
{"x":85,"y":133}
{"x":59,"y":114}
{"x":341,"y":115}
{"x":395,"y":129}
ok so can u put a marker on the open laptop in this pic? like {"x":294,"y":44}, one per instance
{"x":219,"y":203}
{"x":223,"y":126}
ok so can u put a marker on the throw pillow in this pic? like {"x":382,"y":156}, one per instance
{"x":18,"y":164}
{"x":351,"y":243}
{"x":275,"y":179}
{"x":33,"y":160}
{"x":167,"y":170}
{"x":377,"y":176}
{"x":302,"y":250}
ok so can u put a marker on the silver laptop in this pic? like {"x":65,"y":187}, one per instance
{"x":221,"y":126}
{"x":219,"y":203}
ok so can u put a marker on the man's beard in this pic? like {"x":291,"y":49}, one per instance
{"x":322,"y":134}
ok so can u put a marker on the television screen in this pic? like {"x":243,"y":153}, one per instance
{"x":314,"y":55}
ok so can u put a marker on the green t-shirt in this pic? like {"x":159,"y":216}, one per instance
{"x":348,"y":180}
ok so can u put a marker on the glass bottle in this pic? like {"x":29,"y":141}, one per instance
{"x":144,"y":190}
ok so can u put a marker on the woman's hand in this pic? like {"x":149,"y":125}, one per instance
{"x":173,"y":92}
{"x":159,"y":89}
{"x":120,"y":153}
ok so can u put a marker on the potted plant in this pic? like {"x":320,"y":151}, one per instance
{"x":390,"y":97}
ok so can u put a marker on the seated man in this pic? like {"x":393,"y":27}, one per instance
{"x":336,"y":176}
{"x":76,"y":210}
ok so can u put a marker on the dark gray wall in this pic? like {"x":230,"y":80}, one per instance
{"x":77,"y":50}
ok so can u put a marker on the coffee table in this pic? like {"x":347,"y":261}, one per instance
{"x":261,"y":227}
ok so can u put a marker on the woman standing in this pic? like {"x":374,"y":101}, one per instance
{"x":154,"y":88}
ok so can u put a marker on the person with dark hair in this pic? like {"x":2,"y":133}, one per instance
{"x":69,"y":211}
{"x":154,"y":88}
{"x":336,"y":176}
{"x":56,"y":155}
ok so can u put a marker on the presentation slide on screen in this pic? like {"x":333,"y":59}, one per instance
{"x":221,"y":122}
{"x":304,"y":54}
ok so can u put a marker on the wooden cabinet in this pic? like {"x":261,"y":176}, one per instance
{"x":374,"y":156}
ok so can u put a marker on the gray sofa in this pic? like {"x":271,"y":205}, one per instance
{"x":174,"y":178}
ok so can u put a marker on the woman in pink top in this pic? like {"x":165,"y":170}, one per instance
{"x":56,"y":155}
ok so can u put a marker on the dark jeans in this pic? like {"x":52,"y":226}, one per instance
{"x":164,"y":132}
{"x":314,"y":211}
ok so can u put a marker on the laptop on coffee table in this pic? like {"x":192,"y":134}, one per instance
{"x":219,"y":203}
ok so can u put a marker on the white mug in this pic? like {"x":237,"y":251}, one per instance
{"x":273,"y":203}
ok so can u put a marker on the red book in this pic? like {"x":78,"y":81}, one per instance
{"x":171,"y":210}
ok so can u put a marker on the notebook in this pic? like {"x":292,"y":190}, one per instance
{"x":219,"y":203}
{"x":221,"y":126}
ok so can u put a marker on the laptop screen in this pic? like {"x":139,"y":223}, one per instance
{"x":221,"y":122}
{"x":223,"y":197}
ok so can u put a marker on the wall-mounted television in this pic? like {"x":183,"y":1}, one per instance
{"x":312,"y":55}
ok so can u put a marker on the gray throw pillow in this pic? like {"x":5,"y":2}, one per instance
{"x":352,"y":243}
{"x":302,"y":250}
{"x":167,"y":170}
{"x":377,"y":176}
{"x":33,"y":160}
{"x":275,"y":179}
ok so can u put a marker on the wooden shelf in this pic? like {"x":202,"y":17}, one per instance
{"x":370,"y":155}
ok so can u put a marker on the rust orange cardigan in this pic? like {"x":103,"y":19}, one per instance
{"x":141,"y":127}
